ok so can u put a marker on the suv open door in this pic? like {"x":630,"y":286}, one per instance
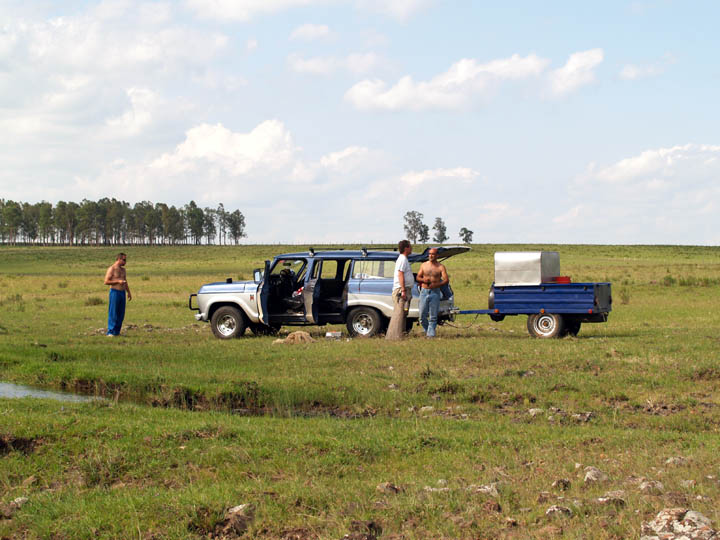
{"x":263,"y":292}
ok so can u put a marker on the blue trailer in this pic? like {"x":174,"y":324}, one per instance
{"x":529,"y":283}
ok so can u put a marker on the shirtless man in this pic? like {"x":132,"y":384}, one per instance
{"x":432,"y":276}
{"x":117,"y":279}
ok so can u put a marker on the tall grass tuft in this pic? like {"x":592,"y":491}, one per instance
{"x":94,"y":301}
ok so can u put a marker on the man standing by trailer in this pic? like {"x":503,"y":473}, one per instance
{"x":117,"y":279}
{"x":403,"y":282}
{"x":432,"y":277}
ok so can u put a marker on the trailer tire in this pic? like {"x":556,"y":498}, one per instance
{"x":228,"y":323}
{"x":545,"y":325}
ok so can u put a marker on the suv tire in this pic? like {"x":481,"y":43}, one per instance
{"x":364,"y":322}
{"x":228,"y":322}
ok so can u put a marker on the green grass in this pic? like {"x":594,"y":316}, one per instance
{"x":317,"y":427}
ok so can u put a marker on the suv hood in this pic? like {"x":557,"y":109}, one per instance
{"x":224,"y":287}
{"x":444,"y":252}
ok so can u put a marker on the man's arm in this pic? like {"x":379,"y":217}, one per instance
{"x":127,"y":289}
{"x":421,"y":274}
{"x":445,"y":278}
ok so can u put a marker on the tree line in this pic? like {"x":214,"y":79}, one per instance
{"x":113,"y":222}
{"x":417,"y":231}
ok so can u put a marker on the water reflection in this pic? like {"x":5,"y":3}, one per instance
{"x":10,"y":390}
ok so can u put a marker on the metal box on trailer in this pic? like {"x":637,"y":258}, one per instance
{"x":526,"y":267}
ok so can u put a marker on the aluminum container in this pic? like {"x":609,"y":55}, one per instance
{"x":526,"y":267}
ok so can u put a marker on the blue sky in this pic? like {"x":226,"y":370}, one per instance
{"x":327,"y":120}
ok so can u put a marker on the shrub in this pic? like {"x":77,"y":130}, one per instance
{"x":94,"y":301}
{"x":624,"y":295}
{"x":63,"y":284}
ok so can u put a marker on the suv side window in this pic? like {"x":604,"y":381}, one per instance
{"x":364,"y":269}
{"x":329,"y":269}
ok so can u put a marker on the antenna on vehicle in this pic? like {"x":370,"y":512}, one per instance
{"x":312,"y":252}
{"x":364,"y":251}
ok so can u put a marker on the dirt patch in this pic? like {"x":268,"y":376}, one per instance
{"x":9,"y":443}
{"x":706,"y":374}
{"x":298,"y":534}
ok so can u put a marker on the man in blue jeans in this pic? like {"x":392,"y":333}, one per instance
{"x":117,"y":279}
{"x":432,"y":277}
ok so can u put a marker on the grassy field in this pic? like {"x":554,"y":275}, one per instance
{"x":472,"y":428}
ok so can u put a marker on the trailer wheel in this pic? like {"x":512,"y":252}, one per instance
{"x":545,"y":325}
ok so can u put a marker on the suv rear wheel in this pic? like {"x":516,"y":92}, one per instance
{"x":227,"y":323}
{"x":364,"y":322}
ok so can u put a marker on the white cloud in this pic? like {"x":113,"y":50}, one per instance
{"x":633,"y":72}
{"x":570,"y":216}
{"x":661,"y":163}
{"x":310,"y":32}
{"x":662,"y":195}
{"x":245,"y":10}
{"x":251,"y":44}
{"x":577,"y":72}
{"x":414,"y":179}
{"x":143,"y":103}
{"x":357,"y":63}
{"x":399,"y":9}
{"x":268,"y":146}
{"x":319,"y":65}
{"x":360,"y":63}
{"x":452,"y":89}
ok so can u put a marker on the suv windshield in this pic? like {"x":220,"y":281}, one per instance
{"x":295,"y":267}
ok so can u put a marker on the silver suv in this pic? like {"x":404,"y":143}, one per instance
{"x":314,"y":288}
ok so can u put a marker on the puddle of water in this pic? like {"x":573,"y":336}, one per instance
{"x":10,"y":390}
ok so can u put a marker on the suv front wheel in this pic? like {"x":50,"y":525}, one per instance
{"x":227,"y":323}
{"x":364,"y":322}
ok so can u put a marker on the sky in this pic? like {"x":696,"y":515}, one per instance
{"x":328,"y":120}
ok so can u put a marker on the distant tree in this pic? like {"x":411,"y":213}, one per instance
{"x":2,"y":221}
{"x":466,"y":235}
{"x":109,"y":221}
{"x":440,"y":231}
{"x":236,"y":225}
{"x":29,"y":223}
{"x":209,"y":228}
{"x":195,"y":221}
{"x":413,"y":225}
{"x":12,"y":216}
{"x":222,"y":222}
{"x":424,"y":234}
